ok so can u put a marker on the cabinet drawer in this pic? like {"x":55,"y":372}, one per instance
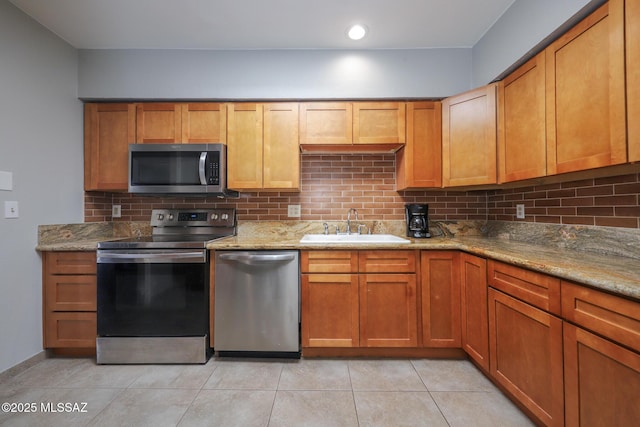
{"x":329,"y":261}
{"x":70,"y":293}
{"x":71,"y":262}
{"x":71,"y":330}
{"x":614,"y":317}
{"x":537,"y":289}
{"x":387,"y":262}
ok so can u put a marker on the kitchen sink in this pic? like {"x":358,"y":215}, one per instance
{"x":352,"y":238}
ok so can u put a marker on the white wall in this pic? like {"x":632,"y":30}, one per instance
{"x":273,"y":74}
{"x":41,"y":143}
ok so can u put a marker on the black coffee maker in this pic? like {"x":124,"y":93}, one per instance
{"x":417,"y":217}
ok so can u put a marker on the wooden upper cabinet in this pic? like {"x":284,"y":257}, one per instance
{"x":379,"y":122}
{"x":204,"y":123}
{"x":419,"y":162}
{"x":632,"y":40}
{"x":108,"y":131}
{"x":522,"y":143}
{"x":262,"y":148}
{"x":158,"y":122}
{"x":352,"y":126}
{"x":281,"y":163}
{"x":244,"y":147}
{"x":469,"y":138}
{"x":326,"y":123}
{"x":586,"y":123}
{"x":178,"y":123}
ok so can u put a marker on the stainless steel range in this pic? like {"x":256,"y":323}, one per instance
{"x":153,"y":291}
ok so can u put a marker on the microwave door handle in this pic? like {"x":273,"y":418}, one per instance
{"x":202,"y":169}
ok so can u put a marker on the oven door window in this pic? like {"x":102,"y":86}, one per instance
{"x":140,"y":299}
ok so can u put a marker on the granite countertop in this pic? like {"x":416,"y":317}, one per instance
{"x":613,"y":273}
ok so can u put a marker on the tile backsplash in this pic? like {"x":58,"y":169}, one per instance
{"x":333,"y":183}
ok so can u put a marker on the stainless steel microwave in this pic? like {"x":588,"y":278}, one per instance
{"x":178,"y":169}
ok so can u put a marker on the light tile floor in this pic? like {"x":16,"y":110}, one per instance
{"x":245,"y":392}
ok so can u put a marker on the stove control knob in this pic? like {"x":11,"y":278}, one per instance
{"x":160,"y":217}
{"x":214,"y":216}
{"x":170,"y":217}
{"x":225,"y":217}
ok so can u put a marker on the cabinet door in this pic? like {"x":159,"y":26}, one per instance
{"x":586,"y":124}
{"x":601,"y":381}
{"x":70,"y":292}
{"x":419,"y":162}
{"x":469,"y":138}
{"x":281,"y":147}
{"x":380,"y":261}
{"x":632,"y":40}
{"x":526,"y":355}
{"x":82,"y":262}
{"x":326,"y":123}
{"x":475,"y":322}
{"x":330,"y":310}
{"x":158,"y":122}
{"x":534,"y":288}
{"x":614,"y":317}
{"x":522,"y":143}
{"x":440,"y":292}
{"x":108,"y":131}
{"x":244,"y":147}
{"x":329,"y":261}
{"x":70,"y":330}
{"x":378,"y":123}
{"x":388,"y":310}
{"x":204,"y":123}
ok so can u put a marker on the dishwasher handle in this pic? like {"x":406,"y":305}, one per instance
{"x":257,"y":258}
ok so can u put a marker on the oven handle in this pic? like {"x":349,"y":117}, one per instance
{"x":199,"y":257}
{"x":257,"y":258}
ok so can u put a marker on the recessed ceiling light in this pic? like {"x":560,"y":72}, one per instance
{"x":356,"y":32}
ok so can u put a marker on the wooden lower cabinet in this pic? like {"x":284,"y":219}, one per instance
{"x":440,"y":297}
{"x":601,"y":381}
{"x":526,"y":355}
{"x":388,"y":310}
{"x":69,"y":300}
{"x":347,"y":302}
{"x":330,"y":312}
{"x":475,"y":324}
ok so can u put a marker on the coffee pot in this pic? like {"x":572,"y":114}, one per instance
{"x":417,"y":218}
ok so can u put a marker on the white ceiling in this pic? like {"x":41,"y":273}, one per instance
{"x":265,"y":24}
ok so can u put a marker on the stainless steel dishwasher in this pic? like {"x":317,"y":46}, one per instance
{"x":257,"y":303}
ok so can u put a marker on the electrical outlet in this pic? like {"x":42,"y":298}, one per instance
{"x":520,"y":211}
{"x":293,"y":211}
{"x":10,"y":209}
{"x":116,"y":211}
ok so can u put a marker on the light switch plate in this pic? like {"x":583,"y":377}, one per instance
{"x":116,"y":211}
{"x":11,"y":209}
{"x":6,"y":181}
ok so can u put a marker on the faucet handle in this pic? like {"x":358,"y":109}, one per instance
{"x":360,"y":226}
{"x":326,"y":227}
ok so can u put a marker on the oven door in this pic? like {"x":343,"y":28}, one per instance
{"x":153,"y":293}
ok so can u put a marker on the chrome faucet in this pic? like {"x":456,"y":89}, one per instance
{"x":349,"y":219}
